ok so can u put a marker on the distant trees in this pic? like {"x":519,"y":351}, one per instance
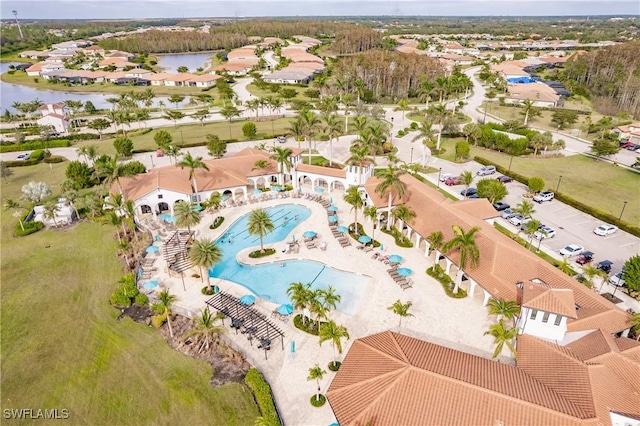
{"x":181,"y":41}
{"x":357,"y":40}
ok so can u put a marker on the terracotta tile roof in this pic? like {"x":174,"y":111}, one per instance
{"x":389,"y":378}
{"x":327,"y":171}
{"x":205,"y":77}
{"x":625,"y":344}
{"x":555,"y":300}
{"x":592,"y":345}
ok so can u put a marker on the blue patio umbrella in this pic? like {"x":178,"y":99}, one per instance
{"x":404,"y":272}
{"x":276,"y":188}
{"x":224,"y":198}
{"x":342,"y":229}
{"x":197,"y":208}
{"x":365,"y":239}
{"x":332,"y":208}
{"x":150,"y":285}
{"x":309,"y":234}
{"x":394,"y":258}
{"x":331,"y":200}
{"x":285,"y":309}
{"x":256,"y":191}
{"x":248,"y":299}
{"x":333,"y":219}
{"x":152,"y":249}
{"x":293,"y":346}
{"x":319,"y":190}
{"x":167,"y":217}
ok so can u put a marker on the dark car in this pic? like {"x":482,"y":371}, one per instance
{"x":504,"y":179}
{"x":605,"y":266}
{"x":469,"y":192}
{"x":625,"y":144}
{"x":500,"y":206}
{"x":633,"y":147}
{"x":585,"y":257}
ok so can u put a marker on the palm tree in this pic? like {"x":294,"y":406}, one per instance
{"x":467,"y":179}
{"x":192,"y":164}
{"x":634,"y":321}
{"x":333,"y":128}
{"x":310,"y":123}
{"x":440,"y":111}
{"x":530,"y":228}
{"x":260,"y":224}
{"x":333,"y":332}
{"x":89,"y":152}
{"x":566,"y":268}
{"x":528,"y":108}
{"x":185,"y":215}
{"x":163,"y":309}
{"x":401,"y":309}
{"x":16,"y":207}
{"x":425,"y":91}
{"x":353,"y":197}
{"x":391,"y":186}
{"x":49,"y":212}
{"x":330,"y":298}
{"x":502,"y":308}
{"x":300,"y":294}
{"x":403,"y":213}
{"x":371,"y":212}
{"x":590,"y":272}
{"x":115,"y":220}
{"x":403,"y":105}
{"x":465,"y":243}
{"x":205,"y":331}
{"x":261,"y":165}
{"x":436,"y":240}
{"x":112,"y":172}
{"x":347,"y":102}
{"x":205,"y":253}
{"x":317,"y":307}
{"x":283,"y":157}
{"x":316,"y":373}
{"x":173,"y":152}
{"x":502,"y":335}
{"x":525,"y":208}
{"x":426,"y":134}
{"x":360,"y":151}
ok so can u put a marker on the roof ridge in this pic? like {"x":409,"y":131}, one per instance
{"x":400,"y":374}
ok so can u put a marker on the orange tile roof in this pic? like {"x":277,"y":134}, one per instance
{"x":555,"y":300}
{"x":327,"y":171}
{"x":388,"y":378}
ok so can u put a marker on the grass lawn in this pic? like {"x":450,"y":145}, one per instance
{"x":595,"y":183}
{"x":62,"y":346}
{"x":23,"y":79}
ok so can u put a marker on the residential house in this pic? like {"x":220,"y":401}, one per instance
{"x":541,"y":94}
{"x":55,"y":116}
{"x":630,"y":132}
{"x":206,"y":80}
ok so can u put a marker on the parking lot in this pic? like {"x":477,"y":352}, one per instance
{"x":572,"y":226}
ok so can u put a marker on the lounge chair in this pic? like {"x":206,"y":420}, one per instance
{"x":360,"y":248}
{"x":375,"y":255}
{"x":368,"y":249}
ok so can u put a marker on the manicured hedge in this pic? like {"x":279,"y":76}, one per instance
{"x":448,"y":284}
{"x":28,"y":146}
{"x":29,"y":228}
{"x":216,"y":222}
{"x":401,"y":240}
{"x":20,"y":163}
{"x":598,"y":214}
{"x":262,"y":393}
{"x":258,"y":253}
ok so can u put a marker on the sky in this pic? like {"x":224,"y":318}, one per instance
{"x":121,"y":9}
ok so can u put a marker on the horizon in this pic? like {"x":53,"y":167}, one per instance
{"x":201,"y":9}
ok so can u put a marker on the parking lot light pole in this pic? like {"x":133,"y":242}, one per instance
{"x":623,"y":206}
{"x":439,"y":173}
{"x":411,"y":158}
{"x":558,"y":185}
{"x":510,"y":161}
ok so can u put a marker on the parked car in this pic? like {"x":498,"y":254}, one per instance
{"x":500,"y":205}
{"x":486,"y":170}
{"x":633,"y":147}
{"x":506,"y":213}
{"x":617,"y":280}
{"x":22,"y":157}
{"x":605,"y":265}
{"x":585,"y":257}
{"x":516,"y":219}
{"x":445,"y":176}
{"x":571,"y":250}
{"x":544,"y":232}
{"x":281,"y":139}
{"x":624,"y":144}
{"x":543,"y":196}
{"x":453,"y":180}
{"x":504,"y":179}
{"x":605,"y":229}
{"x":469,"y":192}
{"x":524,"y":222}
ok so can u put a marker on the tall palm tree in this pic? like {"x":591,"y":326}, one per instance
{"x":590,"y":272}
{"x":204,"y":330}
{"x":502,"y":335}
{"x":347,"y":102}
{"x":193,"y":164}
{"x":260,"y":224}
{"x":392,"y":186}
{"x":116,"y":202}
{"x":426,"y":134}
{"x":353,"y":197}
{"x":316,"y":373}
{"x":333,"y":128}
{"x":360,"y":156}
{"x":16,"y":207}
{"x":335,"y":333}
{"x":330,"y":298}
{"x":528,"y":109}
{"x":404,"y":214}
{"x":49,"y":212}
{"x":300,"y":295}
{"x":401,"y":309}
{"x":565,"y":267}
{"x":185,"y":215}
{"x":465,"y":243}
{"x":115,"y":220}
{"x":317,"y":307}
{"x":530,"y":228}
{"x":371,"y":212}
{"x":425,"y":92}
{"x":403,"y":105}
{"x":112,"y":172}
{"x":436,"y":240}
{"x":310,"y":123}
{"x":502,"y":308}
{"x":467,"y":179}
{"x":205,"y":253}
{"x":163,"y":309}
{"x":283,"y":157}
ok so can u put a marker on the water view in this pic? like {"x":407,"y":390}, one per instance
{"x":192,"y":61}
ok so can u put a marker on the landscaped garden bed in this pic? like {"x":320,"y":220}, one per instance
{"x":448,"y":284}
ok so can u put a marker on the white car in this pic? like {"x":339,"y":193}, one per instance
{"x":445,"y":176}
{"x":486,"y":170}
{"x":617,"y":280}
{"x":605,"y":229}
{"x":544,"y":232}
{"x":23,"y":157}
{"x":518,"y":220}
{"x":543,"y":196}
{"x":571,"y":250}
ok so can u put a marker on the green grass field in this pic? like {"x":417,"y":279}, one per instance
{"x":595,"y":183}
{"x":62,"y":346}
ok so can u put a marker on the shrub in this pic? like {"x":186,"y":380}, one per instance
{"x":258,"y":253}
{"x":126,"y":293}
{"x":535,"y":184}
{"x":262,"y":393}
{"x":401,"y":240}
{"x":135,"y":167}
{"x":54,"y":159}
{"x":29,"y":228}
{"x":120,"y":299}
{"x":462,"y":150}
{"x":37,"y":155}
{"x":141,"y":299}
{"x":21,"y":163}
{"x":334,"y":365}
{"x":28,"y":146}
{"x":318,"y":402}
{"x":249,"y":129}
{"x":413,"y":126}
{"x":310,"y":326}
{"x":448,"y":284}
{"x":216,"y":222}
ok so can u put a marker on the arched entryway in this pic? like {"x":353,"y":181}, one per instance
{"x":163,"y":207}
{"x":338,"y":185}
{"x":145,"y":209}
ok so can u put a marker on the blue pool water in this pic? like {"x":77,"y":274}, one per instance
{"x":150,"y":285}
{"x":270,"y":281}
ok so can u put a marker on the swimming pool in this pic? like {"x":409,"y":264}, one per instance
{"x":270,"y":281}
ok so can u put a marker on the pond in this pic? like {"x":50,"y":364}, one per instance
{"x":192,"y":61}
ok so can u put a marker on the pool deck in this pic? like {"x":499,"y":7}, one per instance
{"x":456,"y":323}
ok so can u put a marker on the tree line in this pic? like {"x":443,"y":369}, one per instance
{"x":170,"y":42}
{"x":356,"y":40}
